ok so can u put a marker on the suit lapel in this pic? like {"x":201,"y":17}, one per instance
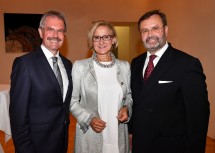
{"x":137,"y":70}
{"x":46,"y":68}
{"x":160,"y":69}
{"x":92,"y":70}
{"x":68,"y":72}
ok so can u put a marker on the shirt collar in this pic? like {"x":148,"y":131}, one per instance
{"x":47,"y":53}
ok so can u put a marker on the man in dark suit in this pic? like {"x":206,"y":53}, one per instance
{"x":39,"y":103}
{"x":171,"y":108}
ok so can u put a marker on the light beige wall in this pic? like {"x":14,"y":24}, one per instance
{"x":136,"y":45}
{"x":80,"y":14}
{"x":130,"y":44}
{"x":191,"y":28}
{"x":123,"y":48}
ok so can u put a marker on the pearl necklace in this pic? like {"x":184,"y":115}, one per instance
{"x":104,"y":65}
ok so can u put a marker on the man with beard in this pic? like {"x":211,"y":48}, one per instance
{"x":171,"y":108}
{"x":41,"y":89}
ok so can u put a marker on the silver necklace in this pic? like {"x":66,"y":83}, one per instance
{"x":104,"y":65}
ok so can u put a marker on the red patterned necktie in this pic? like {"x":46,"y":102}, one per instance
{"x":149,"y":67}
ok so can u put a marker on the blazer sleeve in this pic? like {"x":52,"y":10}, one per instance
{"x":195,"y":95}
{"x":128,"y":98}
{"x":130,"y":123}
{"x":19,"y":106}
{"x":81,"y":114}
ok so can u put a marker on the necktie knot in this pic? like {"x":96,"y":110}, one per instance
{"x":54,"y":58}
{"x":149,"y":67}
{"x":152,"y":57}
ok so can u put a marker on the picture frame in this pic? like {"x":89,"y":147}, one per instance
{"x":21,"y":32}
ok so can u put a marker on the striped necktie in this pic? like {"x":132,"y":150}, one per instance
{"x":149,"y":67}
{"x":57,"y":73}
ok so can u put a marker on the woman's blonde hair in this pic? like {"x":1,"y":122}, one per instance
{"x":93,"y":29}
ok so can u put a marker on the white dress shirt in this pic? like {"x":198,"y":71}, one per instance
{"x":158,"y":56}
{"x":49,"y":56}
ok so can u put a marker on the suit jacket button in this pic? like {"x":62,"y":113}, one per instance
{"x":121,"y":83}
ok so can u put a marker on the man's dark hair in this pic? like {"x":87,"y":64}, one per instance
{"x":149,"y":14}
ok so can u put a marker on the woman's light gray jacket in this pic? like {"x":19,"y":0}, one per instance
{"x":84,"y":105}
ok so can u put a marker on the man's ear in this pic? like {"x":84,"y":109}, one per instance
{"x":166,"y":30}
{"x":40,"y":32}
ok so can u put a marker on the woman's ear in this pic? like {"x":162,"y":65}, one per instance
{"x":114,"y":41}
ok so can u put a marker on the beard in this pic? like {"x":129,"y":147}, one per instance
{"x":160,"y":42}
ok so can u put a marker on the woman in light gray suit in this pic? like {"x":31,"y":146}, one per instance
{"x":101,"y":98}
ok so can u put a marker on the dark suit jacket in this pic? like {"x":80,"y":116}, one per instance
{"x":169,"y":117}
{"x":39,"y":117}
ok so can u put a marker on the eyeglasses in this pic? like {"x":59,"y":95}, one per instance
{"x":105,"y":38}
{"x":155,"y":29}
{"x":52,"y":30}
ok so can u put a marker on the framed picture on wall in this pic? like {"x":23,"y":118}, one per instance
{"x":21,"y":32}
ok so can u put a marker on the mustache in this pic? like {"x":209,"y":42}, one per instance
{"x":152,"y":37}
{"x":54,"y":38}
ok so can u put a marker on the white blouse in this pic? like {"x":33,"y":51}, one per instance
{"x":110,"y":96}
